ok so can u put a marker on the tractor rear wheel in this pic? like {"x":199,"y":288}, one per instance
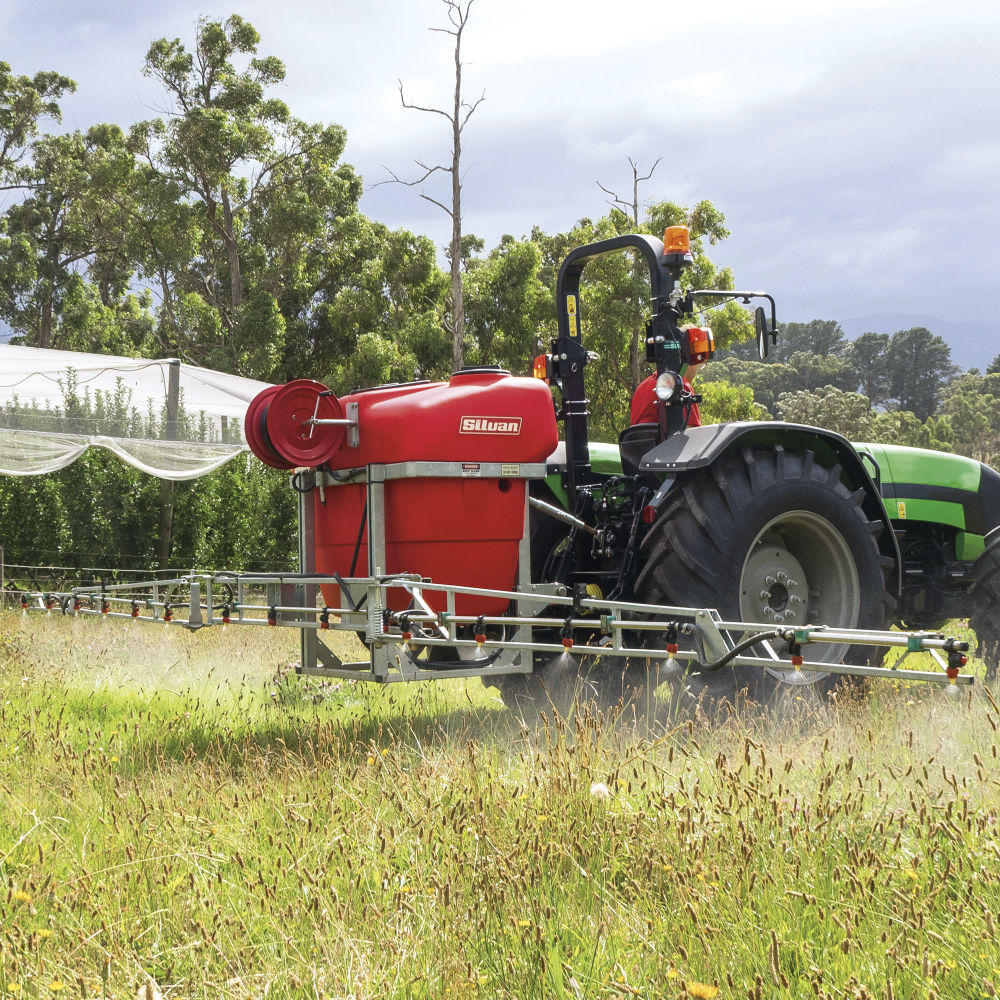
{"x":985,"y":614}
{"x":773,"y":537}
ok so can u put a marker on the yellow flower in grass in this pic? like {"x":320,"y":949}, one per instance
{"x":56,"y":985}
{"x":21,"y":896}
{"x":701,"y":991}
{"x":672,"y":973}
{"x":45,"y":932}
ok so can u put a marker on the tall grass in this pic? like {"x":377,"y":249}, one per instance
{"x":181,"y":815}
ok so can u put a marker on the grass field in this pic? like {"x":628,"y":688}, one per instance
{"x":182,"y":817}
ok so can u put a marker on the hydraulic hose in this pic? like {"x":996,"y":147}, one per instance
{"x":743,"y":645}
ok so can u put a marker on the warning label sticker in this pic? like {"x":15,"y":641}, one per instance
{"x":510,"y":470}
{"x":471,"y":469}
{"x":571,"y":312}
{"x":901,"y":510}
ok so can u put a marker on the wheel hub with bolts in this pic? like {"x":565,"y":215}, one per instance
{"x":800,"y":567}
{"x":774,"y":587}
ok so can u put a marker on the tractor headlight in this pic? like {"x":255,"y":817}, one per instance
{"x":669,"y":387}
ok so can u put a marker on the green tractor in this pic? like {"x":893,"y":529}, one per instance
{"x":764,"y":521}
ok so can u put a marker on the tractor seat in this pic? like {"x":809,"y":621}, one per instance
{"x":634,"y":442}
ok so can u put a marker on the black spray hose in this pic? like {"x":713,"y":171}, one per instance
{"x":742,"y":645}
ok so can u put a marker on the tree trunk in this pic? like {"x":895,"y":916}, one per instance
{"x":232,"y":251}
{"x":45,"y":326}
{"x":458,"y":305}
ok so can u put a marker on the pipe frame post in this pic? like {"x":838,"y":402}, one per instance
{"x":166,"y":485}
{"x":306,"y":592}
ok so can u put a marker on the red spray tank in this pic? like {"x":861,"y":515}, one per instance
{"x":459,"y":528}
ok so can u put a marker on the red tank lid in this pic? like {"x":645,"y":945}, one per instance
{"x":485,"y":375}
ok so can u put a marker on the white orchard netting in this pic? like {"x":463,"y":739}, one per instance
{"x":171,"y":420}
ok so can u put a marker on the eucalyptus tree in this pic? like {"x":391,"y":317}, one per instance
{"x":24,"y":102}
{"x":919,"y":366}
{"x":256,"y":191}
{"x":65,"y":273}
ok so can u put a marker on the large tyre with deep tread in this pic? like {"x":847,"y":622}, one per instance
{"x":765,"y":533}
{"x":985,"y":612}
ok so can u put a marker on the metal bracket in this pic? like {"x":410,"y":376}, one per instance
{"x":711,"y":642}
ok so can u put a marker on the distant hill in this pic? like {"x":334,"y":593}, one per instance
{"x":973,"y":345}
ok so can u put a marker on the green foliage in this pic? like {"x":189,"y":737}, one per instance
{"x":125,"y":326}
{"x":919,"y":365}
{"x":59,"y":256}
{"x":506,"y":304}
{"x":847,"y":413}
{"x":812,"y":370}
{"x":260,"y":333}
{"x":906,"y":428}
{"x":241,"y":516}
{"x":869,"y":354}
{"x":96,"y":512}
{"x":24,"y":101}
{"x":722,"y":403}
{"x":766,"y":380}
{"x":971,"y":404}
{"x":803,"y":372}
{"x":901,"y":378}
{"x":382,"y":291}
{"x":372,"y":362}
{"x":818,"y":336}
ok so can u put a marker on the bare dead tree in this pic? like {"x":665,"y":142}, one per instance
{"x":457,"y":118}
{"x":633,"y":207}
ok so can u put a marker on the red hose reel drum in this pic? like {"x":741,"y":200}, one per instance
{"x":256,"y":433}
{"x":279,"y":428}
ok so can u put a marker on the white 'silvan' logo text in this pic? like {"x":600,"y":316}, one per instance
{"x":490,"y":425}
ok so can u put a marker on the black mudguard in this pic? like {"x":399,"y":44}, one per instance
{"x":698,"y":447}
{"x":988,"y":501}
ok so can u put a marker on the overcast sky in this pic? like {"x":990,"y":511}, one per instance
{"x":853,"y":146}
